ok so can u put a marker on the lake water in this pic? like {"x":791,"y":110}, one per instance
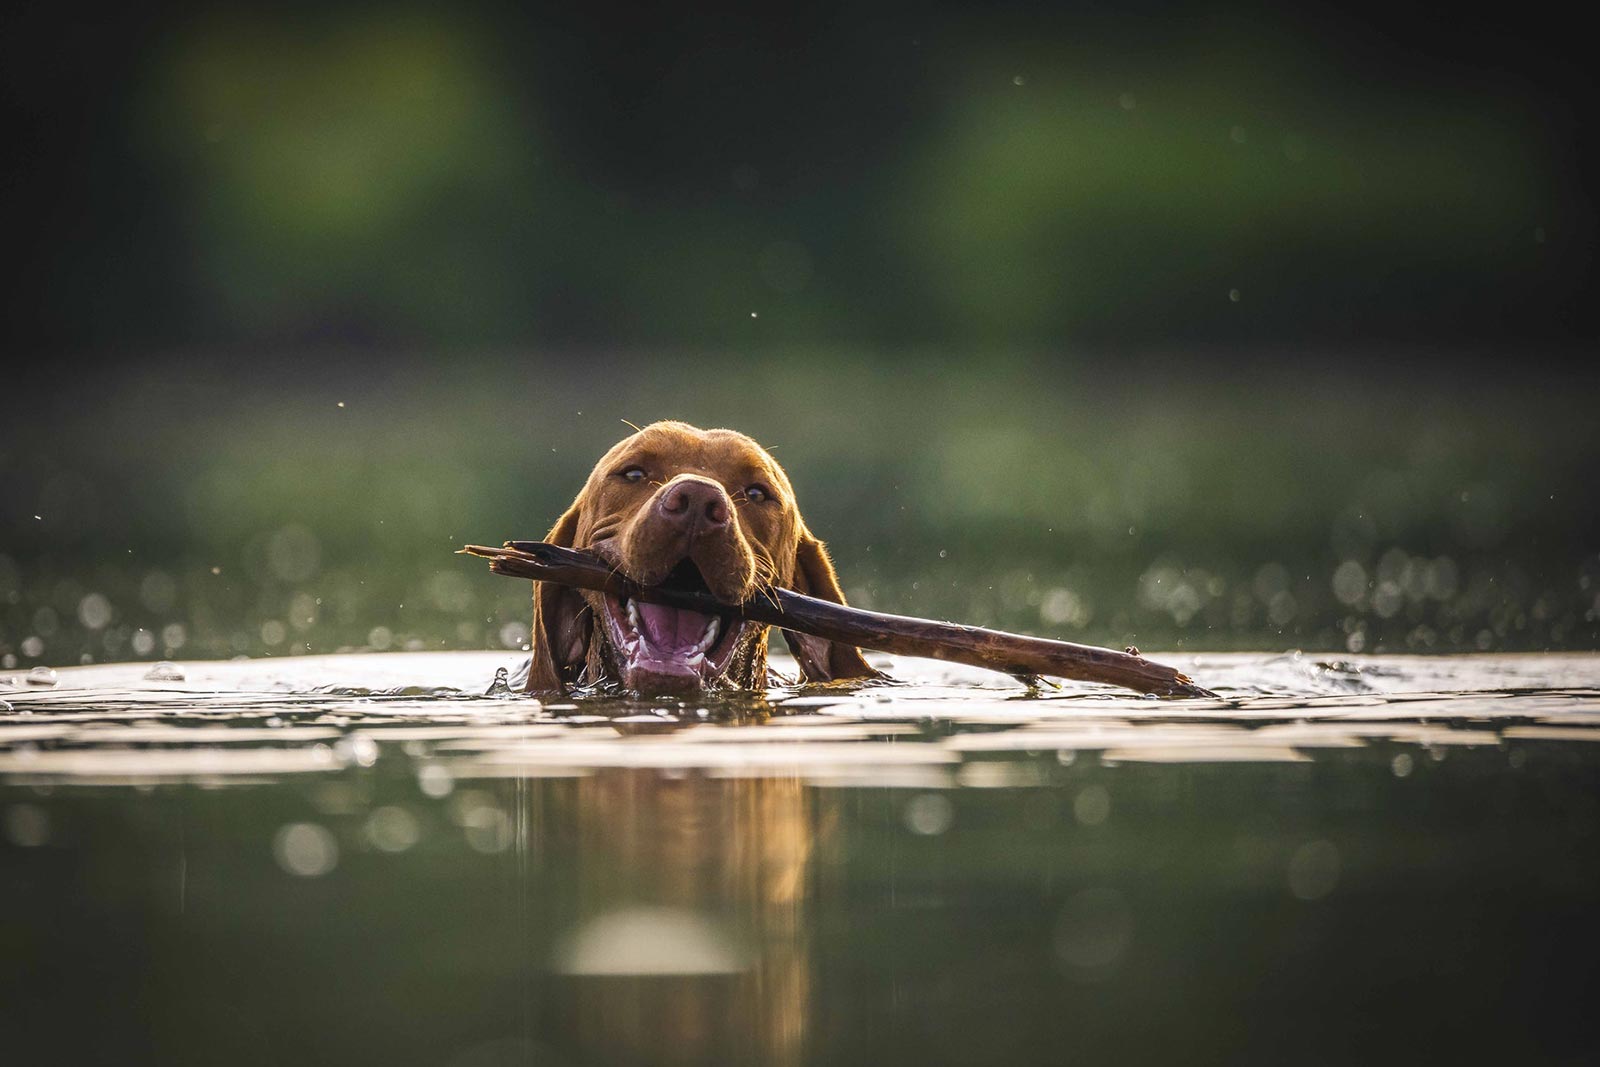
{"x":376,"y":859}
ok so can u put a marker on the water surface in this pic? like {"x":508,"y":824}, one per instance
{"x":385,"y":858}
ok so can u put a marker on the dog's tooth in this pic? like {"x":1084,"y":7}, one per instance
{"x":713,"y":628}
{"x":633,"y":614}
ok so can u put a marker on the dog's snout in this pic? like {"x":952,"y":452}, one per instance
{"x":696,"y":504}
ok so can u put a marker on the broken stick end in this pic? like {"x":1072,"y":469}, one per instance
{"x":1183,"y":687}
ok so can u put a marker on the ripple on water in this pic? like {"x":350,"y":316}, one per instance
{"x":938,"y":728}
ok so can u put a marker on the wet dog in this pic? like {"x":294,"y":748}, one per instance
{"x":708,"y":509}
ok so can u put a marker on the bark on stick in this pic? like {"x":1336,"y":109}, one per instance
{"x":1014,"y":654}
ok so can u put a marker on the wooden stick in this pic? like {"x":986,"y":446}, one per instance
{"x":1014,"y":654}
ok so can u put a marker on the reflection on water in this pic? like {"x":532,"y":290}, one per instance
{"x":367,"y":859}
{"x":726,"y":863}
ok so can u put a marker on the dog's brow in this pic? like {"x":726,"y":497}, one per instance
{"x":635,"y":457}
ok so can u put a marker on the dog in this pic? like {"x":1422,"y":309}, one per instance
{"x":707,"y":508}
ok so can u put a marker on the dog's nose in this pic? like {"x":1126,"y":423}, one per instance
{"x":694,"y":503}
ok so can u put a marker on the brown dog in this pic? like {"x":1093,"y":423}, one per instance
{"x":706,"y":507}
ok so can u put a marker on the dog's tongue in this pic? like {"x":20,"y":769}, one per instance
{"x":674,"y":631}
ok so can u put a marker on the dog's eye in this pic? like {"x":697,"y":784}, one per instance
{"x":634,"y":474}
{"x":755,"y":494}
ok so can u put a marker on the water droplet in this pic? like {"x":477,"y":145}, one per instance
{"x":41,"y":675}
{"x":356,"y":748}
{"x":392,"y":829}
{"x":174,"y":635}
{"x":1314,"y":870}
{"x":434,"y":780}
{"x":929,"y":814}
{"x":293,"y":553}
{"x":27,"y":825}
{"x":165,"y":671}
{"x":488,"y":829}
{"x":94,"y":611}
{"x":1092,"y":806}
{"x":1350,"y":582}
{"x":514,"y":634}
{"x":1092,"y":932}
{"x":305,"y":849}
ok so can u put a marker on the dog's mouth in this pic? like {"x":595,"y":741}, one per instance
{"x":668,"y":649}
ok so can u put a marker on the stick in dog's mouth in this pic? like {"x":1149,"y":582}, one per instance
{"x":1014,"y":654}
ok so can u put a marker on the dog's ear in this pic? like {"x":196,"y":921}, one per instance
{"x":821,"y":660}
{"x":560,"y":628}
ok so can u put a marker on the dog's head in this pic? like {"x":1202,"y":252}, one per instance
{"x":706,"y":508}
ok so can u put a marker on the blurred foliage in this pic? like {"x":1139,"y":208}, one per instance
{"x":489,"y":175}
{"x":365,"y":163}
{"x":1120,"y":203}
{"x":303,"y":509}
{"x":916,"y":251}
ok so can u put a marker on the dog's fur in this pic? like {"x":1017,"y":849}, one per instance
{"x":673,"y":499}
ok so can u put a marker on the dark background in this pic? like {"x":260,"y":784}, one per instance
{"x":1128,"y":322}
{"x":476,"y":175}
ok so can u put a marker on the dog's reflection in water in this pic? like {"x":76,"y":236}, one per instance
{"x":693,"y":945}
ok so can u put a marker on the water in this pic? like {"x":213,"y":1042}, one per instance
{"x":376,"y":859}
